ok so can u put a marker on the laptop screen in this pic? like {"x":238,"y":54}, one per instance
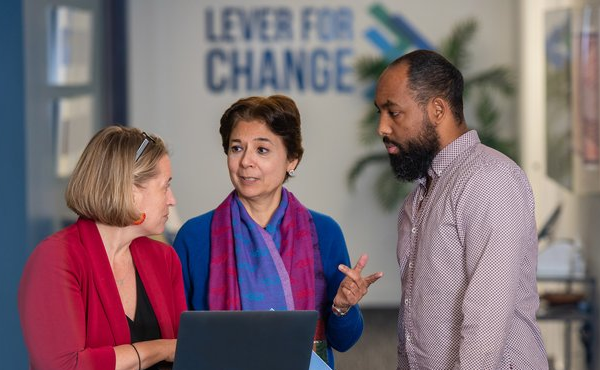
{"x":245,"y":340}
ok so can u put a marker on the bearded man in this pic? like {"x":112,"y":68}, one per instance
{"x":467,"y":237}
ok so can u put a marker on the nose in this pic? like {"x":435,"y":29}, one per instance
{"x":383,"y":127}
{"x":171,"y":201}
{"x":247,"y":159}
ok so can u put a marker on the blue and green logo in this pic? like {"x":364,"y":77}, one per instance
{"x":406,"y":37}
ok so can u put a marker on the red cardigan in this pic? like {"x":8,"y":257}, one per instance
{"x":70,"y":309}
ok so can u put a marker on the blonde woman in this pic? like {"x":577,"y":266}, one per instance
{"x":99,"y":294}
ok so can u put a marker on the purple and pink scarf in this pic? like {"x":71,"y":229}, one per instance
{"x":274,"y":268}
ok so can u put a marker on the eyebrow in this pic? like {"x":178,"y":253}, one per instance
{"x":262,"y":139}
{"x":389,"y":103}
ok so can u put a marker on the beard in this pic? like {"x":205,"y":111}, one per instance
{"x":415,"y":157}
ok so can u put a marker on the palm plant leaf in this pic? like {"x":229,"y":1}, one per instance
{"x":487,"y":114}
{"x":497,"y":78}
{"x":454,"y":48}
{"x":390,"y":191}
{"x":362,"y":163}
{"x":368,"y":68}
{"x":368,"y":127}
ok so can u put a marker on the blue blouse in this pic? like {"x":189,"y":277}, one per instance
{"x":192,"y":244}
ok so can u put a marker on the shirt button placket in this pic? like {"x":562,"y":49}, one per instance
{"x":407,"y":336}
{"x":410,"y":350}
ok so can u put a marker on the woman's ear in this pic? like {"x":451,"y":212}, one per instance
{"x":293,"y":164}
{"x":137,"y":195}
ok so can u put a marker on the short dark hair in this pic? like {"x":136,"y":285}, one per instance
{"x":278,"y":112}
{"x":431,"y":75}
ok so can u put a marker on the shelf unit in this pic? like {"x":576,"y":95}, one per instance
{"x":583,"y":313}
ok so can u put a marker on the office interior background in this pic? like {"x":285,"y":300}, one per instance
{"x":172,"y":68}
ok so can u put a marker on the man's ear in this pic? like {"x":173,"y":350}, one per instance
{"x":438,"y":109}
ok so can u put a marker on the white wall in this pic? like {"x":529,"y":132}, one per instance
{"x":168,"y":97}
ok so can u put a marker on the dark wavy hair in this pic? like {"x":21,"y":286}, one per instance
{"x":278,"y":112}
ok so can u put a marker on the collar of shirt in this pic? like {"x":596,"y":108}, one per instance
{"x":447,"y":155}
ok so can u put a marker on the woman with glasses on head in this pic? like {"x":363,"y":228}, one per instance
{"x":100,"y":294}
{"x":261,"y":249}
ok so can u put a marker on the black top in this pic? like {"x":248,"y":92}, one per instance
{"x":145,"y":327}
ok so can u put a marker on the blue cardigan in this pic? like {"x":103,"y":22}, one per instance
{"x":192,"y":245}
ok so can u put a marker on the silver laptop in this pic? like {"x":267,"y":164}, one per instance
{"x":245,"y":340}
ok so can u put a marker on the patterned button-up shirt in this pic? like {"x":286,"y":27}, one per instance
{"x":467,"y":250}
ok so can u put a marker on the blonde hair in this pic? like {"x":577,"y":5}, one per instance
{"x":101,"y":186}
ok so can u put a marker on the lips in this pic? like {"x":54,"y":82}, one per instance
{"x":391,"y":149}
{"x":390,"y":146}
{"x":248,"y":178}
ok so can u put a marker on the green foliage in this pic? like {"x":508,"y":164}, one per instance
{"x":362,"y":163}
{"x":481,"y":92}
{"x":496,"y":78}
{"x":369,"y":68}
{"x":389,"y":191}
{"x":454,"y":48}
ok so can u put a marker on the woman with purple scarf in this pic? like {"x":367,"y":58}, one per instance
{"x":261,"y":249}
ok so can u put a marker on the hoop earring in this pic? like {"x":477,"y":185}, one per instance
{"x":140,"y":220}
{"x":292,"y":173}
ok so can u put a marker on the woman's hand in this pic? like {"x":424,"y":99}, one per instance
{"x":170,"y":346}
{"x":354,"y":286}
{"x":150,"y":352}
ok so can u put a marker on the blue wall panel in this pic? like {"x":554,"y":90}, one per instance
{"x":13,"y":249}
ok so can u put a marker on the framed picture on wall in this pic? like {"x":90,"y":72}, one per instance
{"x":74,"y":127}
{"x":586,"y":99}
{"x":589,"y":96}
{"x":70,"y":46}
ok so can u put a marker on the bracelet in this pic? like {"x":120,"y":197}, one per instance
{"x":338,"y":312}
{"x":138,"y":355}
